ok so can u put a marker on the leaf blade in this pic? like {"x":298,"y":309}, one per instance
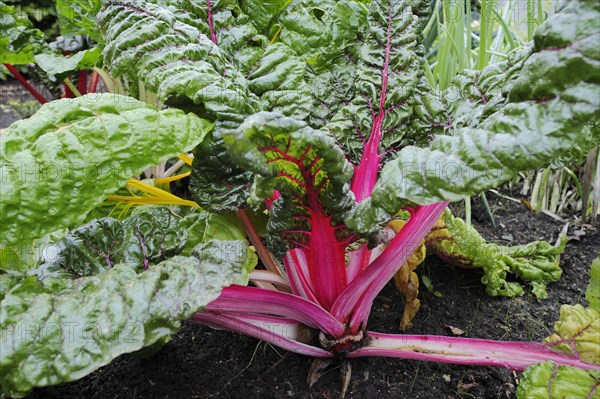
{"x":62,"y":162}
{"x":529,"y":129}
{"x":115,"y":312}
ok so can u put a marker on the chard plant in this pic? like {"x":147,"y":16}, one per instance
{"x":319,"y":118}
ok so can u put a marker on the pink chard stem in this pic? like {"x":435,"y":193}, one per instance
{"x":365,"y":176}
{"x":93,"y":85}
{"x":211,"y":25}
{"x":251,"y":328}
{"x":26,"y":84}
{"x":469,"y":351}
{"x":357,"y":298}
{"x":243,"y":299}
{"x":296,"y":267}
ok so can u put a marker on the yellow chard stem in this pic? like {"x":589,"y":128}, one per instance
{"x":164,"y":180}
{"x":156,"y":196}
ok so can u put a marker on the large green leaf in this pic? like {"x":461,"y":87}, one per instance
{"x":206,"y":226}
{"x":321,"y":31}
{"x":149,"y":236}
{"x":278,"y":79}
{"x":305,"y":165}
{"x":63,"y":161}
{"x":78,"y":17}
{"x":19,"y":40}
{"x":548,"y":380}
{"x":544,"y":110}
{"x":148,"y":43}
{"x":577,"y":332}
{"x":387,"y":77}
{"x":233,"y":25}
{"x":327,"y":36}
{"x":536,"y":263}
{"x":58,"y":67}
{"x":52,"y":336}
{"x":212,"y":61}
{"x":592,"y":294}
{"x":263,"y":12}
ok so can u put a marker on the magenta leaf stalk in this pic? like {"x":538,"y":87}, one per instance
{"x":468,"y":351}
{"x":238,"y":298}
{"x":26,"y":84}
{"x":209,"y":12}
{"x":231,"y":323}
{"x":326,"y":259}
{"x":366,"y":174}
{"x":283,"y":326}
{"x":357,"y":298}
{"x":296,"y":267}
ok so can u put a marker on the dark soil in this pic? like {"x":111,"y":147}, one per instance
{"x":203,"y":363}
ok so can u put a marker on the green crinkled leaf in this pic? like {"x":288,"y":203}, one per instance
{"x":548,"y":380}
{"x":92,"y":320}
{"x":544,"y":110}
{"x":386,"y":83}
{"x":262,"y":12}
{"x":149,"y":236}
{"x":331,"y":88}
{"x":78,"y":17}
{"x":148,"y":43}
{"x":236,"y":28}
{"x":19,"y":40}
{"x":206,"y":226}
{"x":278,"y":79}
{"x":59,"y":164}
{"x":216,"y":183}
{"x":472,"y":96}
{"x":578,"y":332}
{"x":321,"y":31}
{"x":20,"y":258}
{"x":59,"y":67}
{"x":326,"y":35}
{"x":305,"y":165}
{"x":536,"y":263}
{"x":592,"y":294}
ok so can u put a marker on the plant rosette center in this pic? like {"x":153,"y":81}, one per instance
{"x":345,"y":344}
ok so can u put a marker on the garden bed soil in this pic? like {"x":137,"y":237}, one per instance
{"x":204,"y":363}
{"x":10,"y":90}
